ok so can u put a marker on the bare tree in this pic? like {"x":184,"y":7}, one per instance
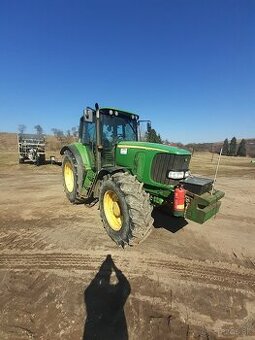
{"x":62,"y":137}
{"x":74,"y":131}
{"x":59,"y":134}
{"x":21,"y":128}
{"x":38,"y":129}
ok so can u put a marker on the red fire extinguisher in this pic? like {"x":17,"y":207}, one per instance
{"x":179,"y":201}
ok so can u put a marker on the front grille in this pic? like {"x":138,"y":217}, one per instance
{"x":163,"y":163}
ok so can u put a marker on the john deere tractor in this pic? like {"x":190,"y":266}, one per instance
{"x":129,"y":177}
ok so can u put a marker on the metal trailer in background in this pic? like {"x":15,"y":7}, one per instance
{"x":31,"y":147}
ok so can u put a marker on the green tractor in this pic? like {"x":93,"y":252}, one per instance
{"x":129,"y":177}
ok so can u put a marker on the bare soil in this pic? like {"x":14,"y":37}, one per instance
{"x":186,"y":281}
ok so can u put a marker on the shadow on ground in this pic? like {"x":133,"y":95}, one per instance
{"x":166,"y":221}
{"x":46,"y":162}
{"x":104,"y":299}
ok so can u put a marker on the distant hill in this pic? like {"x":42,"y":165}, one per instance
{"x":215,"y":147}
{"x":8,"y":142}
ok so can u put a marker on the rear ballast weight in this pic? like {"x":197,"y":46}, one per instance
{"x":128,"y":177}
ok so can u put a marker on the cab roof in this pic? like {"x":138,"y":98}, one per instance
{"x":119,"y":110}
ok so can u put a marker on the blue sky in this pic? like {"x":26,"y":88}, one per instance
{"x":188,"y":65}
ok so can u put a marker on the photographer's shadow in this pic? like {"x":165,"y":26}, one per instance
{"x":105,"y":298}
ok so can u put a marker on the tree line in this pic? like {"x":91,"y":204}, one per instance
{"x":58,"y":133}
{"x":232,"y":149}
{"x":61,"y":137}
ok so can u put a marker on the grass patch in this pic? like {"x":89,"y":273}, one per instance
{"x":205,"y":164}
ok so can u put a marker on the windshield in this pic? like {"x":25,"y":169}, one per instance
{"x":118,"y":128}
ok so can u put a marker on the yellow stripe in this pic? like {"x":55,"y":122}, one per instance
{"x":180,"y":206}
{"x":140,"y":147}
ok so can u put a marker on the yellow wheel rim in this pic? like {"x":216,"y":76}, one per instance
{"x":69,"y":176}
{"x":112,"y":210}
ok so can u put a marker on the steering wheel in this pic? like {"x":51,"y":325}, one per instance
{"x":118,"y":138}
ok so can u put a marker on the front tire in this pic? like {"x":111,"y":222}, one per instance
{"x":125,"y":209}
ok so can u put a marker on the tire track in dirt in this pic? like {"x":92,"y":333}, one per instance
{"x":232,"y":217}
{"x":224,"y":275}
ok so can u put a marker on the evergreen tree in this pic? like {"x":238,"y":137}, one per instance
{"x":225,"y":148}
{"x":153,"y":137}
{"x":242,"y":148}
{"x":232,"y":147}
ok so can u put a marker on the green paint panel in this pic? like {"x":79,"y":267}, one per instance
{"x":137,"y":157}
{"x":153,"y":147}
{"x":86,"y":155}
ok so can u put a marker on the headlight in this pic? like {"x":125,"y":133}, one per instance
{"x":187,"y":174}
{"x":175,"y":174}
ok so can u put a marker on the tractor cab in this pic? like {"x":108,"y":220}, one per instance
{"x":102,"y":129}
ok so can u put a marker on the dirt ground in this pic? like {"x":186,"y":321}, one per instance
{"x":61,"y":277}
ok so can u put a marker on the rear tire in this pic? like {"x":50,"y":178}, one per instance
{"x":125,"y":209}
{"x":70,"y":178}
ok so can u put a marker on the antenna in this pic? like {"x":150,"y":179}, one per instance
{"x":216,"y":172}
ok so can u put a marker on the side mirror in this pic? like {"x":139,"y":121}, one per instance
{"x":144,"y":127}
{"x":88,"y":115}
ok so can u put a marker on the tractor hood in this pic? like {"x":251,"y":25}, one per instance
{"x":153,"y":147}
{"x":151,"y":162}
